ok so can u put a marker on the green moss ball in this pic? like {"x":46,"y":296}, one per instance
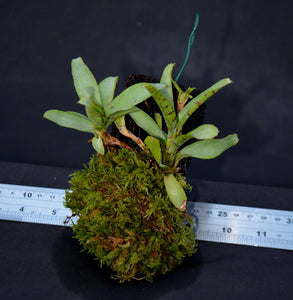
{"x":126,"y":220}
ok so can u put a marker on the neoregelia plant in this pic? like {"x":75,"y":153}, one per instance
{"x":168,"y":147}
{"x":131,"y":204}
{"x":102,"y":109}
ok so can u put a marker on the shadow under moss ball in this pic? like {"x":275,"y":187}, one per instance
{"x":125,"y":218}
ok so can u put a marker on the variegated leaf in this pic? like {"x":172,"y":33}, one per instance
{"x":196,"y":102}
{"x":166,"y":108}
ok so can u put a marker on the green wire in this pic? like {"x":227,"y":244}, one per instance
{"x":190,"y":43}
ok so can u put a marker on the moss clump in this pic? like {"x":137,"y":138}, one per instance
{"x":125,"y":219}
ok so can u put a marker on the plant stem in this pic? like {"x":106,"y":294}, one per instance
{"x":110,"y":140}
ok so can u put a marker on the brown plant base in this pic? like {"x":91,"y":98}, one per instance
{"x":125,"y":217}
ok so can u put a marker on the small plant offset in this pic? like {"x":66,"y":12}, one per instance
{"x":131,"y":204}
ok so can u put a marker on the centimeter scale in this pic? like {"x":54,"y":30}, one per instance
{"x":212,"y":222}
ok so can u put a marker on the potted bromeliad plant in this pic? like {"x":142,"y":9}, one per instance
{"x":130,"y":200}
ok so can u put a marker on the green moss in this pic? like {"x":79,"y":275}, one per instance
{"x":125,"y":217}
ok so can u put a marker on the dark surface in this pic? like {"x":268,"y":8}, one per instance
{"x":247,"y":40}
{"x":43,"y":261}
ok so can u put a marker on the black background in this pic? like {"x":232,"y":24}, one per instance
{"x":249,"y":41}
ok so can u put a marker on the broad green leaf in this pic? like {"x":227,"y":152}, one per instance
{"x":175,"y":191}
{"x":208,"y":149}
{"x":147,"y":123}
{"x":98,"y":145}
{"x":107,"y":89}
{"x":166,"y":108}
{"x":83,"y":79}
{"x":130,"y":97}
{"x":112,"y":118}
{"x":196,"y":102}
{"x":70,"y":119}
{"x":167,"y":79}
{"x":203,"y":132}
{"x":154,"y":146}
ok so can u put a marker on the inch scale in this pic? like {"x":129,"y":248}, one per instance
{"x":212,"y":222}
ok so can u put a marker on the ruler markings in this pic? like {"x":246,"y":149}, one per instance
{"x":212,"y":222}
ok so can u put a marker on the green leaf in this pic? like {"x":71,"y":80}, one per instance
{"x":208,"y":149}
{"x":94,"y":111}
{"x":175,"y":190}
{"x":98,"y":145}
{"x":107,"y":89}
{"x":203,"y":132}
{"x":130,"y":97}
{"x":159,"y":120}
{"x":83,"y":79}
{"x":94,"y":116}
{"x":112,"y":118}
{"x":90,"y":104}
{"x":121,"y":125}
{"x":147,"y":123}
{"x":183,"y":97}
{"x":178,"y":88}
{"x":166,"y":108}
{"x":154,"y":146}
{"x":70,"y":119}
{"x":167,"y":80}
{"x":196,"y":102}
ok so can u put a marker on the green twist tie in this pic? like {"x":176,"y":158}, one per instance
{"x":190,"y":43}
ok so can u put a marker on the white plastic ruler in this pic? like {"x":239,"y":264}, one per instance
{"x":212,"y":222}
